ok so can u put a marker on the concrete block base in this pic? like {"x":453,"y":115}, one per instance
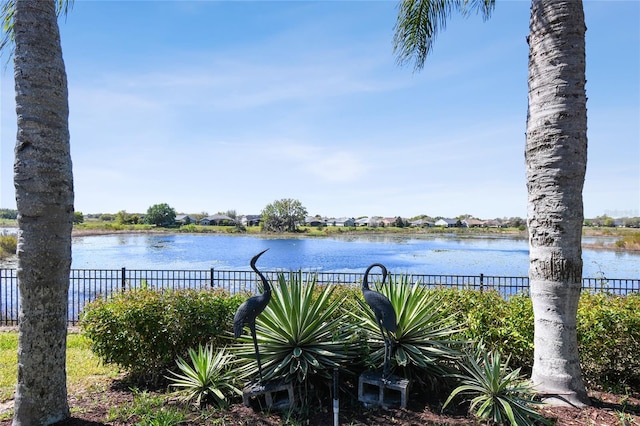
{"x":389,"y":392}
{"x":271,"y":395}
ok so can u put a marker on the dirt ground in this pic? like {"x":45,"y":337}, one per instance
{"x":606,"y":410}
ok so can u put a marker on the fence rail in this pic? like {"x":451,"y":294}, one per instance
{"x":86,"y":285}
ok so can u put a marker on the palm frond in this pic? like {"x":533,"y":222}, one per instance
{"x":7,"y":11}
{"x":420,"y":21}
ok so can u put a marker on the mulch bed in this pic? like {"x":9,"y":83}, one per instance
{"x":606,"y":410}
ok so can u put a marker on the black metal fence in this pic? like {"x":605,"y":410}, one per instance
{"x":86,"y":285}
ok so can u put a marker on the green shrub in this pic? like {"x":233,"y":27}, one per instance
{"x":144,"y":331}
{"x":502,"y":325}
{"x":479,"y":313}
{"x":608,"y":332}
{"x":517,"y":332}
{"x":348,"y":296}
{"x":8,"y":245}
{"x":609,"y":341}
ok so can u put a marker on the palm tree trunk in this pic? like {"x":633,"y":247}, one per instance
{"x":44,"y":196}
{"x":556,"y":157}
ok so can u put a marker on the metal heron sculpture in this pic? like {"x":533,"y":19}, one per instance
{"x":383,"y":312}
{"x":251,"y":308}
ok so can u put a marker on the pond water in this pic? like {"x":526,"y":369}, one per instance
{"x":439,"y":255}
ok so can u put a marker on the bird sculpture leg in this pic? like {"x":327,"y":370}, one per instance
{"x":387,"y":350}
{"x":255,"y":345}
{"x":385,"y":366}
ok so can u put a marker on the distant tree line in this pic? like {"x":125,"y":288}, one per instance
{"x":606,"y":221}
{"x":283,"y":216}
{"x":8,"y":214}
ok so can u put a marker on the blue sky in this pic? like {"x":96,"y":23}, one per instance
{"x":214,"y":105}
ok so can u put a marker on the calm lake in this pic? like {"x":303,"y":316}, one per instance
{"x":442,"y":255}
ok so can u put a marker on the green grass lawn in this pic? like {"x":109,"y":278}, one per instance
{"x":84,"y":369}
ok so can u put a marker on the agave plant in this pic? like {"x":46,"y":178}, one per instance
{"x":497,"y":394}
{"x":209,"y":376}
{"x":299,"y":333}
{"x":424,"y":339}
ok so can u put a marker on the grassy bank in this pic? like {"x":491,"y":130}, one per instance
{"x":84,"y":369}
{"x":629,"y":242}
{"x":627,"y":239}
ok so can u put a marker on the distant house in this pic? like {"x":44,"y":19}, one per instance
{"x":344,"y":221}
{"x":388,"y":221}
{"x":218,"y":219}
{"x":185,"y":219}
{"x":494,"y":224}
{"x":473,"y":223}
{"x":251,"y":220}
{"x":363,"y":221}
{"x":448,"y":223}
{"x":314,"y":221}
{"x":421,"y":223}
{"x":375,"y":221}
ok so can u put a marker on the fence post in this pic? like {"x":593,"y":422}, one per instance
{"x":481,"y":283}
{"x":123,"y":279}
{"x":211,"y":283}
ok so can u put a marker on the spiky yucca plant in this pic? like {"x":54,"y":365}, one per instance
{"x":299,"y":333}
{"x":209,"y":376}
{"x":424,"y":341}
{"x":497,"y":393}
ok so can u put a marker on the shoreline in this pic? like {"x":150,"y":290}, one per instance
{"x":464,"y":233}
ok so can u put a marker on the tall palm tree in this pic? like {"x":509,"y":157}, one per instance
{"x":44,"y":195}
{"x":556,"y":162}
{"x":556,"y":156}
